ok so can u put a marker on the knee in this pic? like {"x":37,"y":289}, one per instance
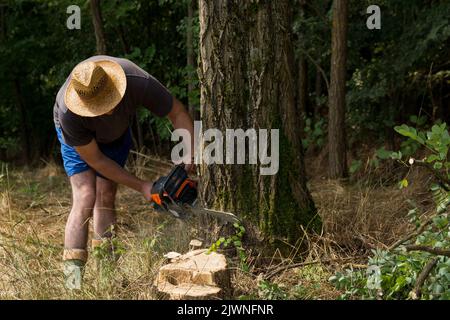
{"x":106,"y":197}
{"x":85,"y":197}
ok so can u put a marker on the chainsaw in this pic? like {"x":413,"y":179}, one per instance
{"x":177,"y":195}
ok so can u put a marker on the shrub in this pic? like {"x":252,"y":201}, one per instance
{"x":417,"y":266}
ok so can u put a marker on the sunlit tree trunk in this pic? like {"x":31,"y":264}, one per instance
{"x":190,"y":56}
{"x":247,"y":81}
{"x":337,"y":163}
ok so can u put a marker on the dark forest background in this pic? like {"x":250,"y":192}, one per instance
{"x":392,"y":74}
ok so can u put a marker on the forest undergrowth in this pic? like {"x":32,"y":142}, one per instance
{"x":360,"y":215}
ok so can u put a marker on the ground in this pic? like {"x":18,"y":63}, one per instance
{"x":34,"y":205}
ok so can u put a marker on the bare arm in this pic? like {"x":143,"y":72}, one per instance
{"x":181,"y":119}
{"x":111,"y":170}
{"x":90,"y":153}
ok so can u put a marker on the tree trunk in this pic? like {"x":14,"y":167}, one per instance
{"x":98,"y":26}
{"x":123,"y":40}
{"x":138,"y":132}
{"x":303,"y":87}
{"x":2,"y":22}
{"x":246,"y":76}
{"x":25,"y":127}
{"x":190,"y":57}
{"x":337,"y":164}
{"x":318,"y":94}
{"x":136,"y":128}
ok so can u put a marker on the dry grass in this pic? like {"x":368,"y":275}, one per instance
{"x":34,"y":206}
{"x":357,"y":217}
{"x":33,"y":213}
{"x":366,"y":215}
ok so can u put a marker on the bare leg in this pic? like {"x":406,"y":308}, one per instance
{"x":104,"y":210}
{"x":83,"y":197}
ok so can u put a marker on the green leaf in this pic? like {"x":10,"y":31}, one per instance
{"x":432,"y":158}
{"x":384,"y":154}
{"x":404,"y":184}
{"x":396,"y":155}
{"x":437,"y":165}
{"x":409,"y":132}
{"x":355,"y":166}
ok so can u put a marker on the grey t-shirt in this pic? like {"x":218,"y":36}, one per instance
{"x":142,"y":90}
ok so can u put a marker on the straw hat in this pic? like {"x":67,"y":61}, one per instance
{"x":95,"y":88}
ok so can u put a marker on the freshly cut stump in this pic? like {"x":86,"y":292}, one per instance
{"x":194,"y":276}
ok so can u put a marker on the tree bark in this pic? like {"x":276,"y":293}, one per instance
{"x":318,"y":93}
{"x":125,"y":45}
{"x":98,"y":26}
{"x":303,"y":87}
{"x":246,"y":76}
{"x":138,"y":138}
{"x":417,"y":291}
{"x":190,"y":57}
{"x":337,"y":148}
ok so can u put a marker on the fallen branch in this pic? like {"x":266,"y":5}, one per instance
{"x":436,"y":251}
{"x":416,"y":293}
{"x":365,"y":241}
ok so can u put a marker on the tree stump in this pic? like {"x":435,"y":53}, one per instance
{"x":196,"y":275}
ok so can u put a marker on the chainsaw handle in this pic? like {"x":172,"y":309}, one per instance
{"x":157,"y":192}
{"x":175,"y":188}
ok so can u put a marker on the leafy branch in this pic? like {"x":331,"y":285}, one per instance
{"x":236,"y":241}
{"x":406,"y":269}
{"x":436,"y":251}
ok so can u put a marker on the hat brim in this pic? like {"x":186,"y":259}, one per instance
{"x":106,"y":100}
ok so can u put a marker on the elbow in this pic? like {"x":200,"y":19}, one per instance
{"x":95,"y":163}
{"x":177,"y":112}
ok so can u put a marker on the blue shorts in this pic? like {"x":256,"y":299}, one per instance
{"x":117,"y":151}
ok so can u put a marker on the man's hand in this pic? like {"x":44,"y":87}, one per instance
{"x":147,"y":190}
